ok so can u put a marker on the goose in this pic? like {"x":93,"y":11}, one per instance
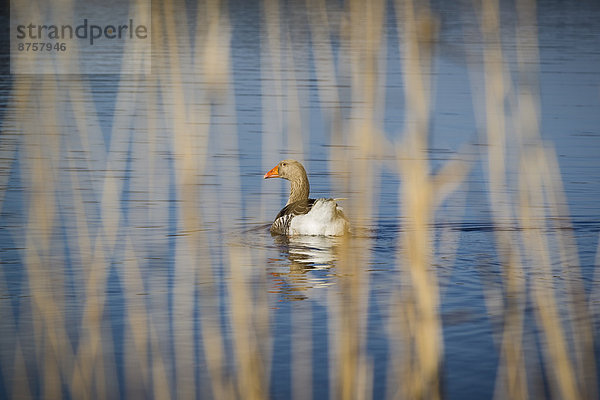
{"x":301,"y":215}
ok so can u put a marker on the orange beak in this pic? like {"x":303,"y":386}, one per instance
{"x":274,"y":173}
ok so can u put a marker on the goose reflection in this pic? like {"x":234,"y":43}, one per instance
{"x":309,"y":264}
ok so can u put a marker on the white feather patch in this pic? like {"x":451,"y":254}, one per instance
{"x":325,"y":218}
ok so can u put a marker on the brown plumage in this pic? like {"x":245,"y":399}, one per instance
{"x":302,"y":215}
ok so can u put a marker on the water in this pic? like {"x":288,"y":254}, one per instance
{"x":140,"y":266}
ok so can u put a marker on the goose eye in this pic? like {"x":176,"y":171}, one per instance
{"x":283,"y":164}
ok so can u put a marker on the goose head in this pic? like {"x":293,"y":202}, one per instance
{"x":294,"y":172}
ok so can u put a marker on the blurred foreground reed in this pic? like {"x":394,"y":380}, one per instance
{"x":209,"y":334}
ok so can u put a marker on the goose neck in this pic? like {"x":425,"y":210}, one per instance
{"x":299,"y":190}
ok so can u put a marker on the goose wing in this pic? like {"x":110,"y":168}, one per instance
{"x":296,"y":208}
{"x":284,"y":218}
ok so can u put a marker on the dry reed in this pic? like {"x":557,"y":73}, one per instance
{"x":204,"y":339}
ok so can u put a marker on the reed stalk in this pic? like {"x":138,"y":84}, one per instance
{"x":148,"y":207}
